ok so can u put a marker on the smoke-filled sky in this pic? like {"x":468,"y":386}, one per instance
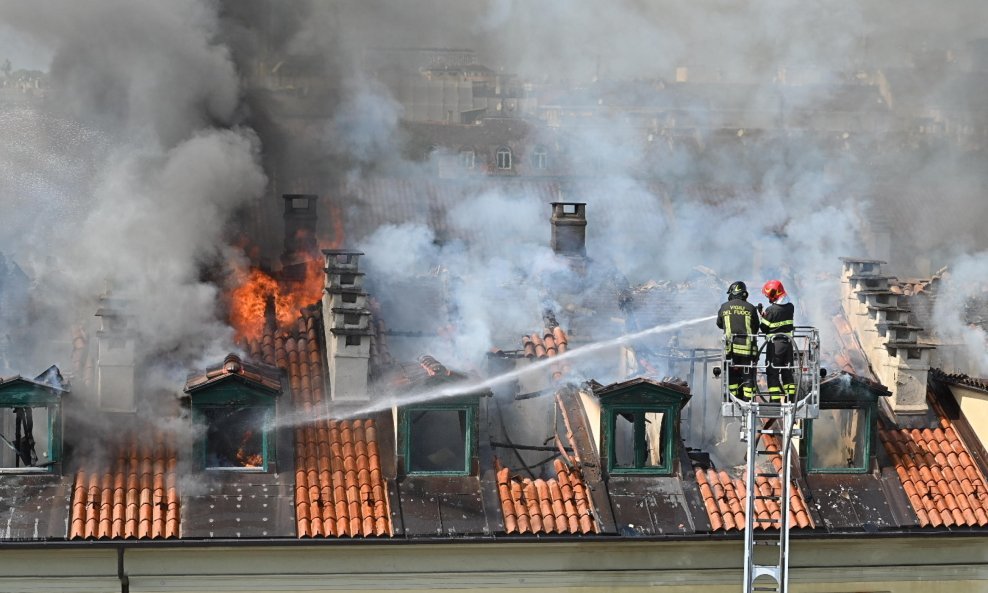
{"x":151,"y":143}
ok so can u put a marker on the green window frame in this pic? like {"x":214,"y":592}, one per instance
{"x":202,"y":416}
{"x":409,"y":438}
{"x":666,"y":438}
{"x":23,"y":393}
{"x":866,"y":421}
{"x":53,"y":429}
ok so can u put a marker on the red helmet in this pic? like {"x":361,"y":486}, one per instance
{"x":773,"y":290}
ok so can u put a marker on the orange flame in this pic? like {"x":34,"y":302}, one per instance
{"x":255,"y":289}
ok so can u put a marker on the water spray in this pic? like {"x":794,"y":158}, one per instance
{"x":384,"y":402}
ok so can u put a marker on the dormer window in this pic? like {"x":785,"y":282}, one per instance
{"x":840,"y":439}
{"x":639,"y":426}
{"x":31,"y":422}
{"x":638,"y":439}
{"x":439,"y":439}
{"x":233,"y":409}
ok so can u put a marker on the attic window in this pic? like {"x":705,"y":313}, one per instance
{"x":839,"y":441}
{"x":438,"y":439}
{"x":236,"y":437}
{"x":28,"y":435}
{"x":503,"y":158}
{"x":640,"y":439}
{"x":30,"y":424}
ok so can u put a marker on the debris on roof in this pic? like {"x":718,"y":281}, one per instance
{"x":538,"y":506}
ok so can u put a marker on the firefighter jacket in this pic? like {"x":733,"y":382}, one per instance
{"x":777,"y":319}
{"x":739,"y":320}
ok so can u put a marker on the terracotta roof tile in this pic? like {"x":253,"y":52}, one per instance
{"x":724,"y":498}
{"x":339,"y":487}
{"x":552,"y":341}
{"x":941,"y":481}
{"x":559,"y":505}
{"x":133,"y":496}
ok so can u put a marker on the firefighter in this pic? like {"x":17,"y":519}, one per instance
{"x":739,"y":320}
{"x":777,"y":325}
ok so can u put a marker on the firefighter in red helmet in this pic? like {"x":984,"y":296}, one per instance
{"x":777,"y":325}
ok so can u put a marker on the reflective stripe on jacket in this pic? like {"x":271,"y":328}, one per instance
{"x":778,"y":319}
{"x":739,"y":320}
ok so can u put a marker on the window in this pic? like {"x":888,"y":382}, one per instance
{"x":27,"y":434}
{"x":839,"y":441}
{"x":438,"y":439}
{"x":503,"y":158}
{"x":639,"y":440}
{"x":348,"y":279}
{"x":468,"y":159}
{"x":353,"y":340}
{"x":233,"y":409}
{"x":349,"y":297}
{"x":540,"y":157}
{"x":30,"y":423}
{"x":351,"y":319}
{"x":236,"y":437}
{"x":639,"y":426}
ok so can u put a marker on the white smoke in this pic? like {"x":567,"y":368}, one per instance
{"x":142,"y":118}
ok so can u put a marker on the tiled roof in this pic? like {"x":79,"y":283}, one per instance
{"x":551,"y":342}
{"x":132,"y":497}
{"x":339,"y":488}
{"x":850,"y":357}
{"x":560,"y":505}
{"x":944,"y":485}
{"x":232,"y":367}
{"x":960,"y":379}
{"x":724,"y":498}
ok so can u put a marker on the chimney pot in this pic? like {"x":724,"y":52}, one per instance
{"x":569,"y":228}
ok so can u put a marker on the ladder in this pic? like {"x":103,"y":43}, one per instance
{"x":766,"y":551}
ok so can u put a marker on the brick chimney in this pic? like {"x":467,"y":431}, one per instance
{"x":569,"y":228}
{"x":347,"y":322}
{"x":880,"y":319}
{"x":115,"y":343}
{"x":300,"y":234}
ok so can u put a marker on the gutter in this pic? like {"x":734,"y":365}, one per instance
{"x":121,"y":546}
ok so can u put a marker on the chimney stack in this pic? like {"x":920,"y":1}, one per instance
{"x":114,"y":358}
{"x":347,"y":322}
{"x":569,"y":228}
{"x":880,"y":320}
{"x":300,"y":234}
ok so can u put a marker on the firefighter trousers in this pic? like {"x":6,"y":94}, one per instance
{"x":742,"y":375}
{"x":779,"y":372}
